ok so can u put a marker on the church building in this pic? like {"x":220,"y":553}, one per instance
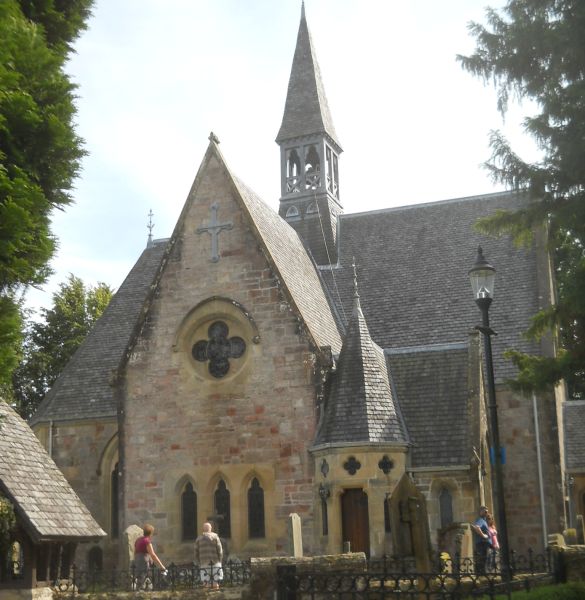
{"x":257,"y":364}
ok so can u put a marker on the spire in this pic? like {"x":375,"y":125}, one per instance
{"x":306,"y":110}
{"x":362,"y":406}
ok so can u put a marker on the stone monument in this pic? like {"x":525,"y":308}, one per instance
{"x":295,"y":536}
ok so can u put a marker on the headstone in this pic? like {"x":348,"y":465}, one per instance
{"x":570,"y":536}
{"x":580,"y":530}
{"x":556,"y":539}
{"x":131,"y":534}
{"x":410,"y":525}
{"x":295,"y":536}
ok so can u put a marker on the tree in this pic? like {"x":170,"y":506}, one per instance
{"x":51,"y":342}
{"x":39,"y":151}
{"x":535,"y":50}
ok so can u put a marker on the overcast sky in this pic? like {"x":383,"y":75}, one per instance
{"x":156,"y":76}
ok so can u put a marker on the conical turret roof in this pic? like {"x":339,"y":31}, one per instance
{"x":362,"y":406}
{"x":306,"y":111}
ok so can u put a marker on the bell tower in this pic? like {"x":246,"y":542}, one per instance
{"x":309,"y":155}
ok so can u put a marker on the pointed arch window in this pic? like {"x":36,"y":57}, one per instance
{"x":256,"y":528}
{"x":114,"y":514}
{"x":446,"y":507}
{"x":312,"y":169}
{"x":293,"y":172}
{"x":312,"y":208}
{"x":188,"y":513}
{"x":223,"y":509}
{"x":292,"y":212}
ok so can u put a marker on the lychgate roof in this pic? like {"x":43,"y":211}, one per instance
{"x":306,"y":111}
{"x":45,"y":503}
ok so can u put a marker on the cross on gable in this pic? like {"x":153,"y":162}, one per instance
{"x":214,"y":228}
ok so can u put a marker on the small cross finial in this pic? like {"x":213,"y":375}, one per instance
{"x":213,"y":138}
{"x":355,"y":283}
{"x":150,"y":227}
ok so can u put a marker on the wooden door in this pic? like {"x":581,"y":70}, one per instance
{"x":355,"y":522}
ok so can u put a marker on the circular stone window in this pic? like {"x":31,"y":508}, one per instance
{"x":218,"y":349}
{"x":217,"y":338}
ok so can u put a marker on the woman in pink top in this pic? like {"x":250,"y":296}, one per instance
{"x":493,"y":533}
{"x":144,"y":555}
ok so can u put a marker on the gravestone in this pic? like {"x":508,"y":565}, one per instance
{"x":131,"y":534}
{"x":295,"y":536}
{"x":410,"y":525}
{"x":570,"y":536}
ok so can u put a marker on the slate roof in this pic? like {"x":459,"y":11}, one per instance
{"x":362,"y":406}
{"x":306,"y":111}
{"x":83,"y":389}
{"x":432,"y":385}
{"x":574,"y":423}
{"x":295,"y":268}
{"x":412,"y":264}
{"x":45,"y":503}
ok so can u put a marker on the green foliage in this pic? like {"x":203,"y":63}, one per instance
{"x":39,"y":151}
{"x":62,"y":20}
{"x":10,"y":338}
{"x":535,"y":50}
{"x":564,"y":591}
{"x":51,"y":342}
{"x":7,"y":524}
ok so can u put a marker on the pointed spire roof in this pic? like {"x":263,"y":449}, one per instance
{"x":362,"y":405}
{"x":306,"y":111}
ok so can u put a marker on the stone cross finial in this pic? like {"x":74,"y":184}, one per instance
{"x":150,"y":227}
{"x":214,"y":228}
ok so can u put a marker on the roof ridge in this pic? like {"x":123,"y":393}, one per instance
{"x":391,"y":209}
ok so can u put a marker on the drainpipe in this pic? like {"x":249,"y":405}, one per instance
{"x":540,"y":478}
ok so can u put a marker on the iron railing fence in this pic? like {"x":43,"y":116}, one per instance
{"x":416,"y":586}
{"x":176,"y":577}
{"x":529,"y":563}
{"x":397,"y":577}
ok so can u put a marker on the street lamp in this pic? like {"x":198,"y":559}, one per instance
{"x":482,"y":278}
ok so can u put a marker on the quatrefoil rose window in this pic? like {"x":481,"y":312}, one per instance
{"x":218,"y":349}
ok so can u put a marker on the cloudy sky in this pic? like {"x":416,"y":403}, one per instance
{"x":156,"y":76}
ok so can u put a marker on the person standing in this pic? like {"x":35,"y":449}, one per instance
{"x":482,"y":540}
{"x":208,"y":555}
{"x":495,"y":544}
{"x":145,"y":556}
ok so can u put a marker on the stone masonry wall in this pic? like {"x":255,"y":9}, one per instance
{"x":523,"y":505}
{"x":181,"y":425}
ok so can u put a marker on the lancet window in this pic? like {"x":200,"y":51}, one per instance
{"x":312,"y":169}
{"x":332,"y":172}
{"x":188,"y":513}
{"x":446,"y":507}
{"x":256,"y":528}
{"x":293,"y":172}
{"x":223,"y":509}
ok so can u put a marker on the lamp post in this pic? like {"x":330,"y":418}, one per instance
{"x":482,"y":277}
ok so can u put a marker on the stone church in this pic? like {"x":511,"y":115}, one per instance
{"x":257,"y":364}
